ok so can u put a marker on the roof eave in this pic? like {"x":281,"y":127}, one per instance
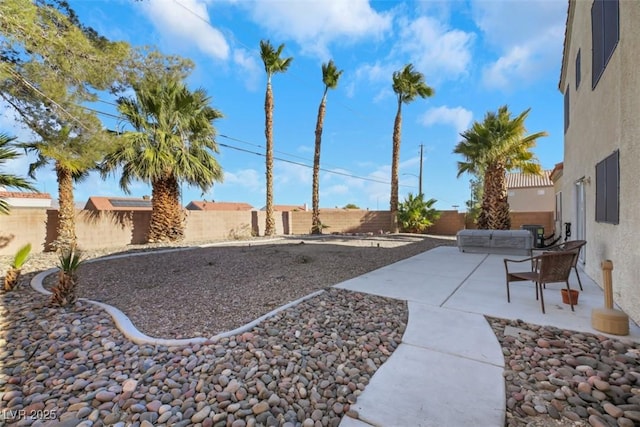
{"x":567,"y":41}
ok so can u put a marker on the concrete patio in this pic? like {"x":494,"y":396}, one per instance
{"x":448,"y":369}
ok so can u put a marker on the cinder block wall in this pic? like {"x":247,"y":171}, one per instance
{"x":20,"y":227}
{"x":342,"y":221}
{"x":449,"y":223}
{"x":210,"y":225}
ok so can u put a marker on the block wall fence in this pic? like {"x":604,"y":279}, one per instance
{"x":104,"y":229}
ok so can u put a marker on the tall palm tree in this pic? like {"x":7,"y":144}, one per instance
{"x":492,"y":148}
{"x":407,"y":84}
{"x":330,"y":77}
{"x":74,"y":150}
{"x":272,"y":64}
{"x":8,"y":180}
{"x":172,"y":142}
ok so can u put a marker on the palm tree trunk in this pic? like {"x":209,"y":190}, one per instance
{"x":167,"y":221}
{"x":67,"y":211}
{"x":495,"y":207}
{"x":270,"y":223}
{"x":316,"y":225}
{"x":397,"y":129}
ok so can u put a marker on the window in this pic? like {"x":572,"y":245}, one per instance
{"x":566,"y":109}
{"x":607,"y":189}
{"x":605,"y":33}
{"x":578,"y":71}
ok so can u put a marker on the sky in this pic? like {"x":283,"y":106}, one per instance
{"x":477,"y":55}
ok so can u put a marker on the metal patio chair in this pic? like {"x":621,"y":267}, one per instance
{"x":571,"y":245}
{"x":549,"y":267}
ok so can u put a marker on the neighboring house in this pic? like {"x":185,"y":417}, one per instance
{"x":218,"y":206}
{"x":96,"y":203}
{"x":287,"y":208}
{"x":599,"y":185}
{"x":530,"y":193}
{"x":18,"y":199}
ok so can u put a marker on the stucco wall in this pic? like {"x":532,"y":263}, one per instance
{"x":541,"y":199}
{"x":22,"y":226}
{"x":342,"y":221}
{"x":602,"y":120}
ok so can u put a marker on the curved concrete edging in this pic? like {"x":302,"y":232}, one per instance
{"x":128,"y":329}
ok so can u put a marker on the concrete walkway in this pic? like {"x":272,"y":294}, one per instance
{"x":448,"y":369}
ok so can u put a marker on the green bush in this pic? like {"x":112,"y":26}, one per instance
{"x":415,"y":214}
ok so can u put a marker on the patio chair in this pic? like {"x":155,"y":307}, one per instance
{"x":550,"y":267}
{"x":571,"y":245}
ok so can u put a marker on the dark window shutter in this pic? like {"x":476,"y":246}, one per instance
{"x":611,"y":21}
{"x":601,"y":190}
{"x":612,"y":169}
{"x":597,"y":41}
{"x":578,"y":71}
{"x":566,"y":109}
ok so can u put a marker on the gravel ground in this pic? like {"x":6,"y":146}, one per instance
{"x":205,"y":291}
{"x":553,"y":377}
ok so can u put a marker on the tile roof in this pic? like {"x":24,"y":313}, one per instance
{"x":198,"y":205}
{"x":520,"y":180}
{"x":99,"y":203}
{"x":24,"y":195}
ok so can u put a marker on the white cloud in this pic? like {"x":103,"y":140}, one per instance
{"x":187,"y":22}
{"x":251,"y":69}
{"x":247,"y":178}
{"x":435,"y":50}
{"x":315,"y":25}
{"x":528,"y":36}
{"x":458,"y":117}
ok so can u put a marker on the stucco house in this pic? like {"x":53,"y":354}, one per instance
{"x":530,"y":193}
{"x":200,"y":205}
{"x":102,"y":203}
{"x":599,"y":189}
{"x":19,"y":199}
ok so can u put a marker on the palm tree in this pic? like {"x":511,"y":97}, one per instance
{"x":172,"y":142}
{"x":416,"y":214}
{"x":330,"y":77}
{"x":492,"y":148}
{"x":407,"y":84}
{"x":74,"y":150}
{"x":7,"y":180}
{"x":272,"y":64}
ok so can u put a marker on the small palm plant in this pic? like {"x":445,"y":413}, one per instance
{"x":13,"y":274}
{"x":64,"y":294}
{"x":416,"y":215}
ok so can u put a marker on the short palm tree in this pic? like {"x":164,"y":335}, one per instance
{"x":172,"y":142}
{"x":63,"y":294}
{"x":272,"y":64}
{"x":416,"y":215}
{"x":330,"y":77}
{"x":8,"y":180}
{"x":492,"y":148}
{"x":407,"y":84}
{"x":15,"y":269}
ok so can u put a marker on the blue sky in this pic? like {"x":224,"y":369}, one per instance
{"x":476,"y":54}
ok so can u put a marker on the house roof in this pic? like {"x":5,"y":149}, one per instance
{"x":286,"y":208}
{"x":521,"y":180}
{"x":198,"y":205}
{"x":24,"y":195}
{"x":98,"y":203}
{"x":567,"y":41}
{"x":556,"y":173}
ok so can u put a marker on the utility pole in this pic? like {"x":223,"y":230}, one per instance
{"x":420,"y":178}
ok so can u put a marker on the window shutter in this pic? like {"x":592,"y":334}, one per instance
{"x":566,"y":109}
{"x":613,"y":191}
{"x":601,"y":191}
{"x":578,"y":71}
{"x":611,"y":21}
{"x":597,"y":41}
